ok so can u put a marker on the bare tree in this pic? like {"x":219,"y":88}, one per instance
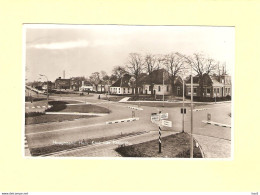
{"x":104,"y":78}
{"x":135,"y":67}
{"x":95,"y":79}
{"x":150,"y":64}
{"x":174,"y":64}
{"x":202,"y":66}
{"x":119,"y":71}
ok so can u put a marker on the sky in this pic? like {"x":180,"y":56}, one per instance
{"x":80,"y":50}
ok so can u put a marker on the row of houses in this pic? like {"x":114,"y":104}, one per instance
{"x":159,"y":83}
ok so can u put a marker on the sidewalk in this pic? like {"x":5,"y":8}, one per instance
{"x":214,"y":147}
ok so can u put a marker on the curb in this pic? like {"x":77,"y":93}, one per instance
{"x":199,"y":109}
{"x":216,"y":124}
{"x":135,"y":108}
{"x":33,"y":107}
{"x":202,"y":152}
{"x":26,"y":147}
{"x":122,"y":121}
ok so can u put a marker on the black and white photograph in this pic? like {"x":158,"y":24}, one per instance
{"x":134,"y":91}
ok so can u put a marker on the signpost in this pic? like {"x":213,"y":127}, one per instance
{"x":164,"y":115}
{"x":166,"y":123}
{"x":158,"y":119}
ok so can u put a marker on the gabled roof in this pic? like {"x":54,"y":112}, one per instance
{"x":122,"y":82}
{"x":156,"y":77}
{"x":215,"y":81}
{"x":207,"y":79}
{"x":195,"y":80}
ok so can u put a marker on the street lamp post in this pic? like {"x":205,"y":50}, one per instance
{"x":47,"y":88}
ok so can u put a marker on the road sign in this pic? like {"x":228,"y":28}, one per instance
{"x":164,"y":115}
{"x":155,"y":117}
{"x":166,"y":123}
{"x":183,"y":110}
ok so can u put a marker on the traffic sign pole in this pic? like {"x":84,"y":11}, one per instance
{"x":160,"y":141}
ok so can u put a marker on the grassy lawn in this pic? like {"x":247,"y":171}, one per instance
{"x":166,"y":104}
{"x":45,"y":118}
{"x":113,"y":98}
{"x":85,"y":109}
{"x":82,"y":108}
{"x":75,"y":144}
{"x":173,"y":146}
{"x":60,"y":106}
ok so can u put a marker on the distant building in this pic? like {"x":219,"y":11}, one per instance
{"x":125,"y":85}
{"x":62,"y":83}
{"x":209,"y":86}
{"x":75,"y":84}
{"x":158,"y":81}
{"x":86,"y":86}
{"x":51,"y":85}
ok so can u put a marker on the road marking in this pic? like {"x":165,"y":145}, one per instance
{"x":217,"y":124}
{"x":135,"y":108}
{"x":122,"y":120}
{"x":65,"y":129}
{"x":199,"y":109}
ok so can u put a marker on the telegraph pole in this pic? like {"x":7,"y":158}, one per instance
{"x":163,"y":88}
{"x":191,"y":137}
{"x":183,"y":104}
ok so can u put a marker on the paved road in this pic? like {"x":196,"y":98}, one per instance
{"x":45,"y":134}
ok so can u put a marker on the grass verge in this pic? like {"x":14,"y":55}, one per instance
{"x":45,"y":118}
{"x":57,"y":147}
{"x":173,"y":146}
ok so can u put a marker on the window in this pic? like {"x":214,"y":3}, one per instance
{"x":217,"y":90}
{"x":194,"y":90}
{"x":208,"y":90}
{"x":150,"y":88}
{"x":167,"y":88}
{"x":189,"y":90}
{"x":128,"y":90}
{"x":159,"y":88}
